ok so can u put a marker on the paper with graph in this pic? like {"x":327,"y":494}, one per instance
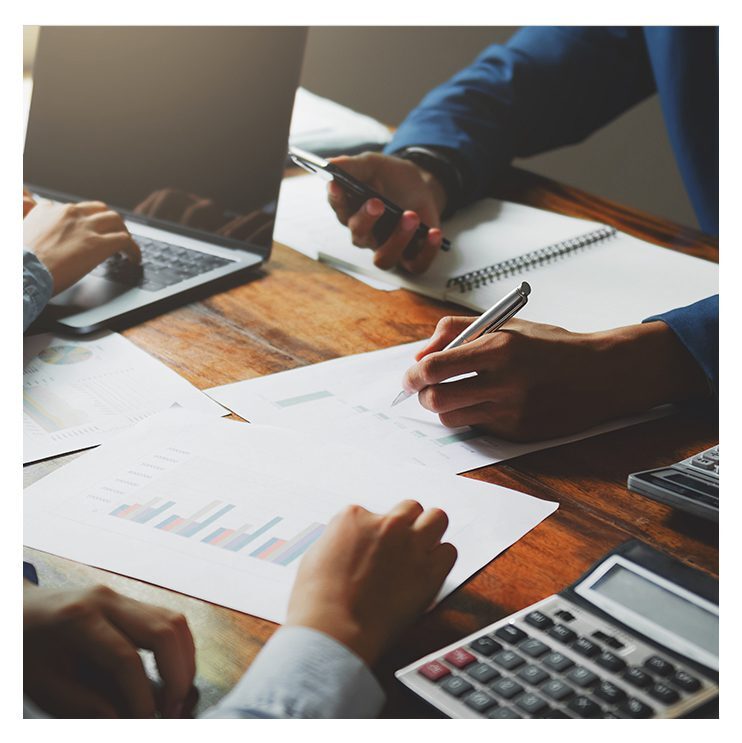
{"x":225,"y":511}
{"x":77,"y":391}
{"x":349,"y":400}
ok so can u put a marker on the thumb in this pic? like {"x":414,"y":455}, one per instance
{"x":446,"y":330}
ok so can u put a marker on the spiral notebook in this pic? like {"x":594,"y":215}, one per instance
{"x":584,"y":275}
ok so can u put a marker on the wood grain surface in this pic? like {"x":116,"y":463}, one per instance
{"x":297,"y":311}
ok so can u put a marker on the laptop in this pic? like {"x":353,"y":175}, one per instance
{"x":184,"y":132}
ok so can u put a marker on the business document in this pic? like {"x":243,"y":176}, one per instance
{"x":76,"y":392}
{"x":349,"y":400}
{"x":224,"y":511}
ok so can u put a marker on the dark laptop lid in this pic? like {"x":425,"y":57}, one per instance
{"x":185,"y":128}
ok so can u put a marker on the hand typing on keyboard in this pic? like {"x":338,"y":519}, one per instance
{"x":72,"y":239}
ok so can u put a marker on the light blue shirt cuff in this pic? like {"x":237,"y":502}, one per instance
{"x":37,"y":287}
{"x":303,"y":673}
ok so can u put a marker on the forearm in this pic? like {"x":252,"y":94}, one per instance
{"x":642,"y":366}
{"x":302,"y":673}
{"x":545,"y":88}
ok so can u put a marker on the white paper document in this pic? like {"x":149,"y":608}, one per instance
{"x":349,"y":400}
{"x":75,"y":392}
{"x":326,"y":127}
{"x":224,"y":511}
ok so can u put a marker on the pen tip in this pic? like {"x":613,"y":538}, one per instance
{"x":401,"y":397}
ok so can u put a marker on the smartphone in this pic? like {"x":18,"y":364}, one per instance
{"x":358,"y":194}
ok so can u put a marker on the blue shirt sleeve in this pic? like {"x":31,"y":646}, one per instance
{"x":545,"y":88}
{"x":303,"y":673}
{"x":37,"y":287}
{"x":697,"y":328}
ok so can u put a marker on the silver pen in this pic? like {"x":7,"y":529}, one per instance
{"x":494,"y":318}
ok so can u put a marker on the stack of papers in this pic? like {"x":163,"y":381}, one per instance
{"x":328,"y":128}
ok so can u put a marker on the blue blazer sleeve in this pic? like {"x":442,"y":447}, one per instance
{"x":545,"y":88}
{"x":697,"y":327}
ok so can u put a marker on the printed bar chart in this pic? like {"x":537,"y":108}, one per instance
{"x":141,"y":513}
{"x":281,"y":552}
{"x":234,"y":540}
{"x":188,"y":527}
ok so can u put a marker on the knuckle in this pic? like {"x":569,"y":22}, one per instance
{"x":447,"y":419}
{"x":434,"y":398}
{"x":102,"y":593}
{"x":447,"y":324}
{"x":429,"y":368}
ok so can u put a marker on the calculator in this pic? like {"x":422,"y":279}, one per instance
{"x":636,"y":637}
{"x":691,"y":485}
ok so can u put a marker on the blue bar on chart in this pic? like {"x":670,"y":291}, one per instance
{"x":141,"y":513}
{"x":282,"y":552}
{"x":188,"y":527}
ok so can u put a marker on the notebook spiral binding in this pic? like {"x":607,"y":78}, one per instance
{"x":514,"y":266}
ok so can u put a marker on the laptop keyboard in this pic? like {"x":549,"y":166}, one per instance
{"x":163,"y":265}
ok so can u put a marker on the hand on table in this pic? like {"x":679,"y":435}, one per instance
{"x":371,"y":575}
{"x":80,"y":654}
{"x":407,"y":185}
{"x":535,"y":381}
{"x":72,"y":239}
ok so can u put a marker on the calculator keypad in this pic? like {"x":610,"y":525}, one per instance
{"x":537,"y":666}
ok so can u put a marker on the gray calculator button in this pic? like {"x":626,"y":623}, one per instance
{"x":482,"y":672}
{"x":480,"y":701}
{"x":456,"y":686}
{"x":506,"y":687}
{"x":508,"y":659}
{"x":582,"y":677}
{"x":557,"y":689}
{"x":533,"y":675}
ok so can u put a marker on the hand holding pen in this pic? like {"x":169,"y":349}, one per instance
{"x":494,"y":318}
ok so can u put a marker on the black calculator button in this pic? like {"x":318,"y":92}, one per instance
{"x":510,"y":633}
{"x":557,"y":689}
{"x":534,"y":648}
{"x":585,"y":707}
{"x":485,"y":645}
{"x":479,"y":701}
{"x":609,"y":692}
{"x":582,"y":677}
{"x":455,"y":686}
{"x":637,"y":677}
{"x":532,"y":704}
{"x":685,"y":681}
{"x":586,"y":647}
{"x":565,"y":615}
{"x":539,"y":620}
{"x":504,"y":713}
{"x":533,"y":675}
{"x":636,"y":709}
{"x":562,"y":633}
{"x":659,"y":665}
{"x":611,"y":661}
{"x":506,"y":687}
{"x":663,"y":693}
{"x":482,"y":672}
{"x":557,"y":662}
{"x":508,"y":660}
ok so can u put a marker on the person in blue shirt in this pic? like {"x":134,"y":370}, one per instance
{"x":546,"y":88}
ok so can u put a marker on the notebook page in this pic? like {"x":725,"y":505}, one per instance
{"x":620,"y":281}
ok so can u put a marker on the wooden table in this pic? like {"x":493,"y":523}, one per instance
{"x":251,"y":330}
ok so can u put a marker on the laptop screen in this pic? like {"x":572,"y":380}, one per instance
{"x":185,"y":128}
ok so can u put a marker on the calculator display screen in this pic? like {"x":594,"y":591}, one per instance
{"x":661,"y":606}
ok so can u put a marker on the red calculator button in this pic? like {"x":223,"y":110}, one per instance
{"x":433,"y":670}
{"x":459,"y":658}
